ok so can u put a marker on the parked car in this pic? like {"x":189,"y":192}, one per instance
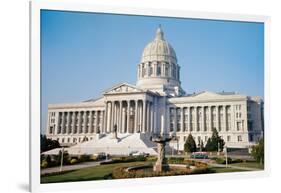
{"x":199,"y":155}
{"x":137,"y":153}
{"x":101,"y":156}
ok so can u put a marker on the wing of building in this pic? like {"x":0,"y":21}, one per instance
{"x":137,"y":110}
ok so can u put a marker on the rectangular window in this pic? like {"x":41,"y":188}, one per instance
{"x":239,"y":138}
{"x":251,"y":138}
{"x":228,"y":138}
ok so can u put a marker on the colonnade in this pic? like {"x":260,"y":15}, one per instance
{"x":130,"y":116}
{"x":200,"y":118}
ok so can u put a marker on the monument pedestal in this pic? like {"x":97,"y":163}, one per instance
{"x":160,"y":167}
{"x":161,"y":163}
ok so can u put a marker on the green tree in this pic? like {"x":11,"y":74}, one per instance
{"x":258,"y":151}
{"x":214,"y":142}
{"x":190,"y":145}
{"x":48,"y":144}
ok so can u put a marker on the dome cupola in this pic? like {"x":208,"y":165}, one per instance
{"x":159,"y":50}
{"x":158,"y":69}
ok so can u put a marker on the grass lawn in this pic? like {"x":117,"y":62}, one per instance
{"x":249,"y":165}
{"x":103,"y":172}
{"x":100,"y":172}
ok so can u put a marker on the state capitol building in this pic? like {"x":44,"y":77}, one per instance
{"x":137,"y":110}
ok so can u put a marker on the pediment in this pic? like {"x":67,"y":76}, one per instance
{"x":206,"y":94}
{"x":123,"y":88}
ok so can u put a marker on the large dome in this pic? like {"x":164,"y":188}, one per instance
{"x":159,"y":50}
{"x":158,"y":70}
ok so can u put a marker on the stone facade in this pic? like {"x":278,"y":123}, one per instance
{"x":138,"y":109}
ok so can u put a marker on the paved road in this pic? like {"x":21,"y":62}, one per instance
{"x":69,"y":167}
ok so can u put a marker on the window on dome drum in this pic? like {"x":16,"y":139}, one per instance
{"x":143,"y":70}
{"x":150,"y":70}
{"x":166,"y":70}
{"x":158,"y":72}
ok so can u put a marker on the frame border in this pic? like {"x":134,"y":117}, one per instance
{"x":34,"y":99}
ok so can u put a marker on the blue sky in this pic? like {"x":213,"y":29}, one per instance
{"x":83,"y":54}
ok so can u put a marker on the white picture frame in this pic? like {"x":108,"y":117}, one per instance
{"x":36,"y":6}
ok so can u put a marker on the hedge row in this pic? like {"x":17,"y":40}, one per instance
{"x":120,"y":173}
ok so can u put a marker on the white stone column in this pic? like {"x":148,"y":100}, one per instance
{"x":128,"y":116}
{"x":79,"y":122}
{"x":196,"y":119}
{"x":68,"y":123}
{"x":110,"y":117}
{"x":148,"y":117}
{"x":114,"y":114}
{"x":218,"y":118}
{"x":105,"y":117}
{"x":182,"y":123}
{"x":91,"y":122}
{"x":151,"y":117}
{"x":120,"y":117}
{"x":175,"y":120}
{"x":56,"y":123}
{"x":210,"y":118}
{"x":136,"y":117}
{"x":155,"y":116}
{"x":101,"y":121}
{"x":73,"y":122}
{"x":63,"y":123}
{"x":203,"y":119}
{"x":85,"y":122}
{"x":123,"y":119}
{"x":140,"y":118}
{"x":96,"y":121}
{"x":225,"y":118}
{"x":188,"y":119}
{"x":143,"y":116}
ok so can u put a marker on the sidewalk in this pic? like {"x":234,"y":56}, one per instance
{"x":235,"y":167}
{"x":69,"y":167}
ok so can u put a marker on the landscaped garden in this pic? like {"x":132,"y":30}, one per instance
{"x":115,"y":169}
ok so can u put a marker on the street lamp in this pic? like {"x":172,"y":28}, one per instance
{"x":218,"y":148}
{"x":61,"y":161}
{"x":226,"y":160}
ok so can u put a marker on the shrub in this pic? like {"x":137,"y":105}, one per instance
{"x":190,"y":145}
{"x":84,"y":158}
{"x":140,"y":158}
{"x":44,"y":164}
{"x":258,"y":151}
{"x":223,"y":160}
{"x":151,"y":158}
{"x":176,"y":160}
{"x":214,"y":141}
{"x":120,"y":172}
{"x":73,"y":161}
